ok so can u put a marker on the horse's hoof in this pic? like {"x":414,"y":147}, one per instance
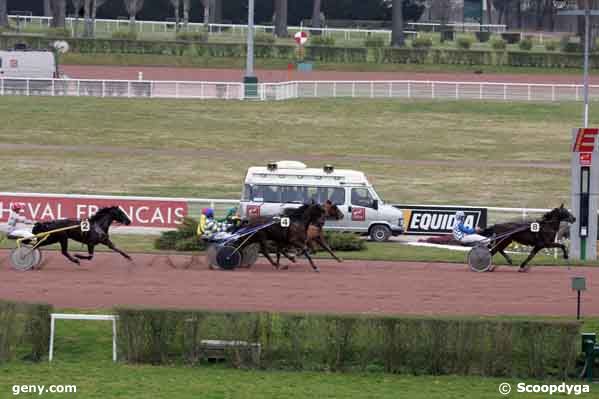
{"x":340,"y":260}
{"x":285,"y":267}
{"x":317,"y":270}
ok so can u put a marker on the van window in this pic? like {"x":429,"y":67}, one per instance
{"x":361,"y":197}
{"x":335,"y":194}
{"x":265,"y":193}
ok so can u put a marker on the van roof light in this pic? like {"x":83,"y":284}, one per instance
{"x":328,"y":168}
{"x":271,"y":166}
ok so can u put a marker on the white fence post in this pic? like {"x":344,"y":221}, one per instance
{"x":315,"y":89}
{"x":480,"y":91}
{"x":457,"y":93}
{"x":334,"y":89}
{"x":371,"y":89}
{"x":353,"y":89}
{"x":529,"y":93}
{"x":53,"y":88}
{"x":432,"y":90}
{"x":504,"y":92}
{"x":390,"y":89}
{"x":129,"y":89}
{"x":176,"y":89}
{"x":2,"y":87}
{"x":552,"y":92}
{"x":409,"y":89}
{"x":28,"y":88}
{"x":103,"y":88}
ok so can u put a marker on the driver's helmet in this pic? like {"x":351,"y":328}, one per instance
{"x":460,"y":215}
{"x":208,"y":212}
{"x":17,"y":207}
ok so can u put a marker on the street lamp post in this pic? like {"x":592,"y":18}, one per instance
{"x":584,"y":169}
{"x":250,"y":80}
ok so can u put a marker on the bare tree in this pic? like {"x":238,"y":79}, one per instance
{"x":206,"y":5}
{"x":316,"y":8}
{"x":90,"y":7}
{"x":186,"y":8}
{"x":177,"y":6}
{"x":59,"y":10}
{"x":47,"y":8}
{"x":77,"y":6}
{"x":3,"y":14}
{"x":133,"y":7}
{"x":397,"y":36}
{"x":281,"y":18}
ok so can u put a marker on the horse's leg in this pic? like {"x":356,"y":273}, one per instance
{"x":64,"y":248}
{"x":264,"y":251}
{"x":307,"y":254}
{"x":523,"y":267}
{"x":110,"y":245}
{"x":560,"y":246}
{"x":326,"y":246}
{"x":90,"y":251}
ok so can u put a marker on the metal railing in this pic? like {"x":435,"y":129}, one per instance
{"x":409,"y":89}
{"x":108,"y":26}
{"x":121,"y":88}
{"x":457,"y":26}
{"x":427,"y":90}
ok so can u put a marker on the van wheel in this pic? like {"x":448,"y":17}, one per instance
{"x":380,"y":233}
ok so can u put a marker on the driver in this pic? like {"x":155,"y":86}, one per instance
{"x":15,"y":218}
{"x":465,"y":234}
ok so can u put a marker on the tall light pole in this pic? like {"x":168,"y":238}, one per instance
{"x":250,"y":80}
{"x":584,"y":163}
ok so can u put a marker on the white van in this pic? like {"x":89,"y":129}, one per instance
{"x":28,"y":64}
{"x":269,"y":189}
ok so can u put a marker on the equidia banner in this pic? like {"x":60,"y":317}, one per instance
{"x":439,"y":220}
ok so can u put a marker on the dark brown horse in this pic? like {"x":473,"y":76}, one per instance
{"x":315,"y":234}
{"x":294,"y":236}
{"x":97,"y":232}
{"x":549,"y":225}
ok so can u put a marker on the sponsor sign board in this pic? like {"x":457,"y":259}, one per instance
{"x":142,"y":212}
{"x":439,"y":220}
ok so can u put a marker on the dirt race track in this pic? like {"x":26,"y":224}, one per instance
{"x":349,"y":287}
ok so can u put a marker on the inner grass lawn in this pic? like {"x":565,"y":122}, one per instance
{"x":471,"y":153}
{"x":83,"y":358}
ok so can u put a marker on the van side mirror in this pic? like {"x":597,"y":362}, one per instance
{"x":375,"y":204}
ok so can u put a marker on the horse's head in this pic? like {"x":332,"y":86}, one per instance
{"x":332,"y":211}
{"x":560,"y":214}
{"x":113,"y":213}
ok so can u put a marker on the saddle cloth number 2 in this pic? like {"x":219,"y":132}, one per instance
{"x":85,"y":226}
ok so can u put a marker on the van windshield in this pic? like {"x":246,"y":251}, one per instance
{"x":293,"y":194}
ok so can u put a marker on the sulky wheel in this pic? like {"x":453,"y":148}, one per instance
{"x":479,"y":259}
{"x":228,"y":257}
{"x":249,"y":255}
{"x":24,"y":258}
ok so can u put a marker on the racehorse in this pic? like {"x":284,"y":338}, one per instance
{"x":97,"y":234}
{"x":294,"y":236}
{"x":315,"y":233}
{"x":549,"y":225}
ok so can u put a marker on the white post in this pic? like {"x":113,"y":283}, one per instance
{"x":315,"y":89}
{"x":480,"y":91}
{"x":78,"y":88}
{"x":353,"y":89}
{"x":114,"y":340}
{"x":504,"y":92}
{"x":334,"y":89}
{"x":371,"y":89}
{"x":409,"y":89}
{"x":51,"y":350}
{"x":103,"y":88}
{"x":2,"y":86}
{"x":553,"y":93}
{"x":457,"y":93}
{"x":528,"y":92}
{"x":129,"y":89}
{"x":28,"y":88}
{"x":390,"y":89}
{"x":176,"y":89}
{"x":433,"y":90}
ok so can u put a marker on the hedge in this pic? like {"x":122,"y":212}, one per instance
{"x":24,"y":330}
{"x":382,"y":55}
{"x":415,"y":345}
